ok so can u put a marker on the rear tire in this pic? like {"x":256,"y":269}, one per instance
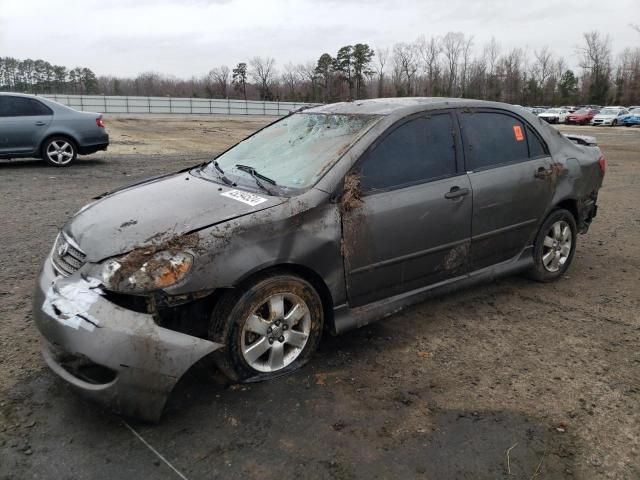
{"x":554,"y":246}
{"x":270,"y":327}
{"x":59,"y":151}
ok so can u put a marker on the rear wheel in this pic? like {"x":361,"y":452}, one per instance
{"x":554,"y":246}
{"x":59,"y":151}
{"x":269,"y":328}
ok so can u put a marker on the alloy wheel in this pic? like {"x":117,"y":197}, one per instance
{"x":557,"y":246}
{"x":60,"y":152}
{"x":275,"y":334}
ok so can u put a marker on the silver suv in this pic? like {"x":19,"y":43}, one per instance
{"x":40,"y":128}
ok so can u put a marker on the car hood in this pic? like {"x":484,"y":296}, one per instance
{"x":549,"y":114}
{"x":158,"y":209}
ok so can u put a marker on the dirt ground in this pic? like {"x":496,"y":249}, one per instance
{"x":511,"y":379}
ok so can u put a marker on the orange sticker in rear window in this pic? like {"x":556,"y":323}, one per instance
{"x":517,"y":131}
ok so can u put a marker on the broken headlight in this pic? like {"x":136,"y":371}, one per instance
{"x":142,"y":272}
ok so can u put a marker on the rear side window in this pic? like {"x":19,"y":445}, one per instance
{"x":493,"y":139}
{"x":417,"y":151}
{"x":38,"y":108}
{"x":21,"y":107}
{"x":536,"y":147}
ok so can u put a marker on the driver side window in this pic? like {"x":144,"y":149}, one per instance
{"x":417,"y":151}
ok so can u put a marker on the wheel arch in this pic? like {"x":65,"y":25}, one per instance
{"x":569,"y":204}
{"x":302,"y":271}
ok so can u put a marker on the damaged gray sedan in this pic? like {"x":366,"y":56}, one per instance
{"x":326,"y":220}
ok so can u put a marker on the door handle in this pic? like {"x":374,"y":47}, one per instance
{"x":456,"y":192}
{"x":39,"y":124}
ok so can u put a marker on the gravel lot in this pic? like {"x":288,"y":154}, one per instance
{"x":508,"y":380}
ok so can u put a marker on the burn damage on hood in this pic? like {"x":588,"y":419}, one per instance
{"x":156,"y":211}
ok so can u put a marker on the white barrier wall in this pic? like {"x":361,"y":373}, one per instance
{"x":189,"y":106}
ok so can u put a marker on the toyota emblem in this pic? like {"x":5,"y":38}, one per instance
{"x":62,"y":250}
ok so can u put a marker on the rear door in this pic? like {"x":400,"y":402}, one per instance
{"x":412,"y":226}
{"x":512,"y":179}
{"x":23,"y":123}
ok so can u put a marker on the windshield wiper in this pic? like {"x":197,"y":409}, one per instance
{"x":257,"y":177}
{"x":221,"y":174}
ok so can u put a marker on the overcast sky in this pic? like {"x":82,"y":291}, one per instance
{"x":189,"y":37}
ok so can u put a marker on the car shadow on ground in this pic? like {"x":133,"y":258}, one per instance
{"x":21,"y":163}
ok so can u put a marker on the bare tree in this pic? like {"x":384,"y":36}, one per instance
{"x":263,"y":72}
{"x":381,"y":60}
{"x":466,"y":60}
{"x":405,"y":61}
{"x":430,"y":51}
{"x":452,"y":45}
{"x":217,"y":81}
{"x":595,"y":60}
{"x":307,"y":73}
{"x":541,"y":71}
{"x":290,"y":78}
{"x":492,"y":53}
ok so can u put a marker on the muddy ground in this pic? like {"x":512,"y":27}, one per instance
{"x":512,"y":379}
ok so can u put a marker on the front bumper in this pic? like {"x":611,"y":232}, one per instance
{"x":138,"y":362}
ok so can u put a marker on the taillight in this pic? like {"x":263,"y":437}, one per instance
{"x":100,"y":122}
{"x":603,"y":163}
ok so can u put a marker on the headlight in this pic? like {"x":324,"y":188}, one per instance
{"x":139,"y":272}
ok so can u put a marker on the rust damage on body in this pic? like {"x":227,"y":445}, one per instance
{"x":351,"y":209}
{"x":455,"y":259}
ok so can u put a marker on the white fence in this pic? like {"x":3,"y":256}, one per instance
{"x":188,"y":106}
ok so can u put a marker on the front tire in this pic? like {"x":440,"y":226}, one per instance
{"x":270,"y":327}
{"x":59,"y":151}
{"x":554,"y":246}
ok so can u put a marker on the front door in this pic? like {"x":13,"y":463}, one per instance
{"x":23,"y":122}
{"x":411,"y":226}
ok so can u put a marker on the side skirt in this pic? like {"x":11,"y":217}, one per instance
{"x":346,"y":318}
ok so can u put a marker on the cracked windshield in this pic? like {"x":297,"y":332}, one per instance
{"x":297,"y":151}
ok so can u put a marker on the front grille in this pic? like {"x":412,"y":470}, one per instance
{"x":66,"y":257}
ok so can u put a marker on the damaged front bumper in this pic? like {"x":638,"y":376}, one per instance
{"x":116,"y":356}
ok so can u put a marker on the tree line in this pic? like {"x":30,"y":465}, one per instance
{"x":452,"y":65}
{"x":39,"y":76}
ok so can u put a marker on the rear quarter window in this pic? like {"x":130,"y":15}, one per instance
{"x":536,"y":147}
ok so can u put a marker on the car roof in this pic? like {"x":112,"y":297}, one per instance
{"x":399,"y":107}
{"x":15,"y":94}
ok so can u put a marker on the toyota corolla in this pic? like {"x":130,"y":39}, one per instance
{"x":324,"y":221}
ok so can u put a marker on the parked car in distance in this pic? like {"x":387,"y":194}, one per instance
{"x":555,"y":115}
{"x":35,"y":127}
{"x":582,"y":116}
{"x":325,"y":220}
{"x":538,"y":110}
{"x":570,"y":108}
{"x":631,"y":119}
{"x":609,"y":116}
